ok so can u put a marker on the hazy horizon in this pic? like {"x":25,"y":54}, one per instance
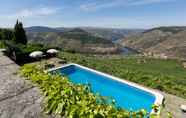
{"x":127,"y":14}
{"x":96,"y":27}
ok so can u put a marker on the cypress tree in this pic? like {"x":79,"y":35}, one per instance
{"x":19,"y":34}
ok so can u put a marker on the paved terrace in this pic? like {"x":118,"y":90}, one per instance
{"x":20,"y":99}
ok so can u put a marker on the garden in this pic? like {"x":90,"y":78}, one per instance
{"x":63,"y":98}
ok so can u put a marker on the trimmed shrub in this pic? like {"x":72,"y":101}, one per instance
{"x":20,"y":53}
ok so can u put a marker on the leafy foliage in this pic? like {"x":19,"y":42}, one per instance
{"x":6,"y":34}
{"x":20,"y":52}
{"x":165,"y":75}
{"x":73,"y":101}
{"x":2,"y":45}
{"x":19,"y":34}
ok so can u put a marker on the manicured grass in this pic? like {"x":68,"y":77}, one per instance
{"x":165,"y":75}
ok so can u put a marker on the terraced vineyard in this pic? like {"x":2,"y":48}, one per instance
{"x":166,"y":75}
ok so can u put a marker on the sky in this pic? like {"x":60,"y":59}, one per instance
{"x":94,"y":13}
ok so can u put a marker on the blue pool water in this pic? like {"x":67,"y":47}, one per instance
{"x":126,"y":96}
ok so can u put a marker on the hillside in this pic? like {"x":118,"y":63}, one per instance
{"x":74,"y":40}
{"x":168,"y":41}
{"x":112,"y":34}
{"x":41,"y":29}
{"x":161,"y":74}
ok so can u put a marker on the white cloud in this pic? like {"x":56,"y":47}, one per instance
{"x":30,"y":13}
{"x":145,"y":2}
{"x":95,"y":5}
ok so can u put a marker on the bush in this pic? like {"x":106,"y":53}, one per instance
{"x":73,"y":101}
{"x":20,"y":53}
{"x":2,"y":45}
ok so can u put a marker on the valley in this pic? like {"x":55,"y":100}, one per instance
{"x":162,"y":42}
{"x":82,"y":39}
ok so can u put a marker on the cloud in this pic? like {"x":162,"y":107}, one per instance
{"x":94,"y":6}
{"x":146,"y":2}
{"x":30,"y":13}
{"x":105,"y":4}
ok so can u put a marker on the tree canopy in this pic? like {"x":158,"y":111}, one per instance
{"x":6,"y":34}
{"x":19,"y":34}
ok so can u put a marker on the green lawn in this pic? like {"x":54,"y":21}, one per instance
{"x":165,"y":75}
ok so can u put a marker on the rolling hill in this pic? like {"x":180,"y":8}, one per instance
{"x":81,"y":39}
{"x":41,"y":29}
{"x":75,"y":39}
{"x":112,"y":34}
{"x":168,"y":41}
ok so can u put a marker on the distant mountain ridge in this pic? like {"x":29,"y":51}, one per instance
{"x":41,"y":29}
{"x":106,"y":33}
{"x":172,"y":29}
{"x":113,"y":34}
{"x":168,"y":41}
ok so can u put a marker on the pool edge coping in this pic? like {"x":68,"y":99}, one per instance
{"x":158,"y":96}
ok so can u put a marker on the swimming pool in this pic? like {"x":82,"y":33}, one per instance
{"x":127,"y":95}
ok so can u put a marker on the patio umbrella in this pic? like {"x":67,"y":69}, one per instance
{"x":36,"y":54}
{"x":52,"y":51}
